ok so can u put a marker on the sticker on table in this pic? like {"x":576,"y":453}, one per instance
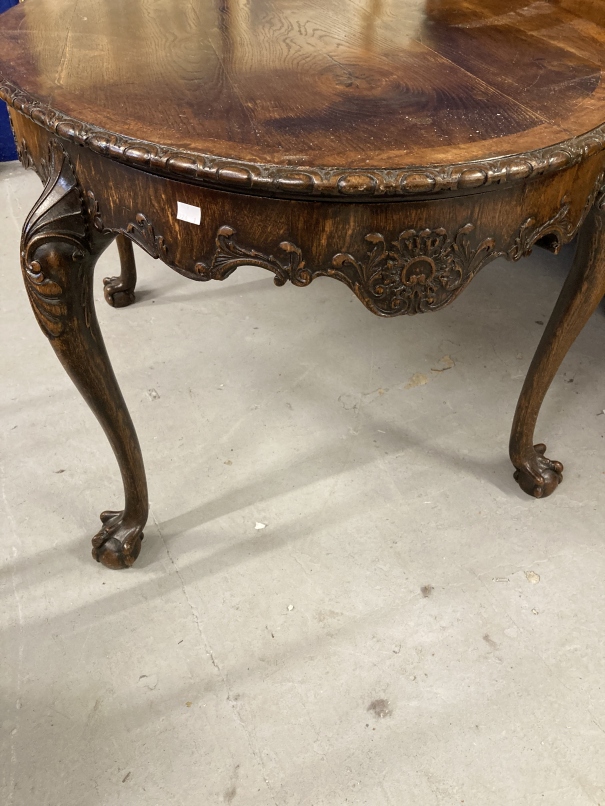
{"x":188,"y":212}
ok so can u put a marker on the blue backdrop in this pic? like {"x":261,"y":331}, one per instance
{"x":7,"y":143}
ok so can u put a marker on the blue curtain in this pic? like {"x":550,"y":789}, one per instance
{"x":7,"y":144}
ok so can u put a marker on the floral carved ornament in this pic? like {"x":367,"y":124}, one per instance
{"x":418,"y":271}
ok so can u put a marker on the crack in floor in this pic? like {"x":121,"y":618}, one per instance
{"x":256,"y":754}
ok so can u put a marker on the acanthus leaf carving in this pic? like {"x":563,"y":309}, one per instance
{"x":25,"y":157}
{"x":56,"y":221}
{"x":94,"y":211}
{"x":142,"y":232}
{"x":552,"y":234}
{"x":558,"y":230}
{"x":418,"y":271}
{"x":229,"y":255}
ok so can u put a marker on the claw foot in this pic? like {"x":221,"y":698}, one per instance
{"x":116,"y":294}
{"x":539,"y":476}
{"x":117,"y":545}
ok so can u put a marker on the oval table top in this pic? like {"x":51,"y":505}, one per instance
{"x":349,"y":98}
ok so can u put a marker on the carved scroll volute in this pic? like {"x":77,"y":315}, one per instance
{"x":55,"y":244}
{"x":229,"y":255}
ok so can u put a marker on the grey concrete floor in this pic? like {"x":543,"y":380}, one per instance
{"x":407,"y":628}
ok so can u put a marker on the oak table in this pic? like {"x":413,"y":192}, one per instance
{"x":396,"y":145}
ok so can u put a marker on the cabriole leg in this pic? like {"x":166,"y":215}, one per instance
{"x":58,"y":254}
{"x":119,"y":291}
{"x":581,"y":293}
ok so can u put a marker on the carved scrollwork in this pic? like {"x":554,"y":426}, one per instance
{"x":229,"y":255}
{"x":94,"y":211}
{"x":557,"y":231}
{"x":301,"y":181}
{"x":142,"y":232}
{"x":552,"y":234}
{"x":25,"y":158}
{"x":57,"y":220}
{"x":418,"y":271}
{"x":598,"y":197}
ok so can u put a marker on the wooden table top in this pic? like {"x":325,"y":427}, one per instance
{"x":361,"y":85}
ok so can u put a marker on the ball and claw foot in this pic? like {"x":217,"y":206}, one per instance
{"x":116,"y":294}
{"x":539,"y":476}
{"x":116,"y":545}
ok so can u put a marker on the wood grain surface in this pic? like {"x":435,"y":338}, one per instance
{"x":355,"y":83}
{"x":471,"y":129}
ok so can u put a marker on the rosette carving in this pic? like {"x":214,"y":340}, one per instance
{"x":419,"y":271}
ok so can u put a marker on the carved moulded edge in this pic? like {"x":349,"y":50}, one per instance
{"x":301,"y":181}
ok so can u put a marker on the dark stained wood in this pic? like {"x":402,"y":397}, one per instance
{"x":317,"y":140}
{"x":375,"y":249}
{"x":309,"y":84}
{"x":58,"y":254}
{"x":582,"y":292}
{"x":119,"y":291}
{"x":568,"y":80}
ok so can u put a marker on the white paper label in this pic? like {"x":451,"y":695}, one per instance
{"x":188,"y":212}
